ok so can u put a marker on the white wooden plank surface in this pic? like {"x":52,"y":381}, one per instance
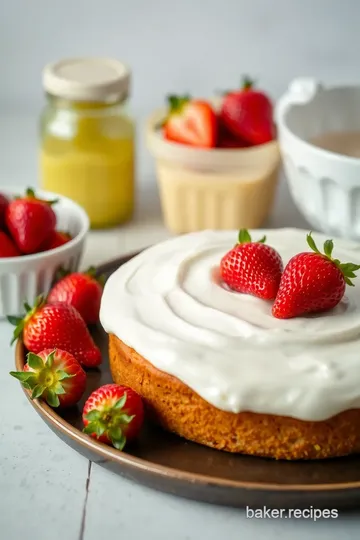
{"x":131,"y":511}
{"x":42,"y":480}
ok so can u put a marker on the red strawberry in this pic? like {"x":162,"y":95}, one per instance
{"x":227,"y":140}
{"x":4,"y":202}
{"x":248,"y":114}
{"x":56,"y":326}
{"x":83,"y":291}
{"x":312,"y":282}
{"x":113,"y":414}
{"x":30,"y":221}
{"x":7,"y":246}
{"x":53,"y":375}
{"x":252,"y":267}
{"x":191,"y":122}
{"x":56,"y":239}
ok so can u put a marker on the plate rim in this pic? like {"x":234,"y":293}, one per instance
{"x":140,"y":464}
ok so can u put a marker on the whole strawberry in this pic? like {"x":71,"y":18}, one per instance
{"x":7,"y":246}
{"x":4,"y":202}
{"x":30,"y":221}
{"x":54,"y":375}
{"x":56,"y":239}
{"x":56,"y":326}
{"x":312,"y":282}
{"x":113,"y":414}
{"x":83,"y":291}
{"x":248,"y":114}
{"x":252,"y":267}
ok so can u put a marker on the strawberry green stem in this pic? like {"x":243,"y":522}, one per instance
{"x":245,"y":237}
{"x":247,"y":83}
{"x":20,"y":322}
{"x":30,"y":194}
{"x":347,"y":269}
{"x":44,"y":380}
{"x":110,"y":421}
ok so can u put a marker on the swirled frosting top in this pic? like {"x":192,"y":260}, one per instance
{"x":169,"y":304}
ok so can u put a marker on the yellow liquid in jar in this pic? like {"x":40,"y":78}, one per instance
{"x":90,"y":159}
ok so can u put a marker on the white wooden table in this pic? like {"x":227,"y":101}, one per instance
{"x":49,"y":492}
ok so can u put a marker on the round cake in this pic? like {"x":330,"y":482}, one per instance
{"x":215,"y":367}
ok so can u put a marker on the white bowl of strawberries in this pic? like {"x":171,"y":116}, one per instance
{"x":39,"y":234}
{"x":217,"y":161}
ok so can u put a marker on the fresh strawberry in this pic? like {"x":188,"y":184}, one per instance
{"x":56,"y":326}
{"x":30,"y":221}
{"x":56,"y":239}
{"x":312,"y":282}
{"x":113,"y":414}
{"x":252,"y":267}
{"x":191,"y":122}
{"x":4,"y":202}
{"x":248,"y":114}
{"x":7,"y":246}
{"x":226,"y":139}
{"x":83,"y":291}
{"x":54,"y":375}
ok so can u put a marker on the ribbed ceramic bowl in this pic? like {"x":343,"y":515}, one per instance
{"x":325,"y":185}
{"x":24,"y":278}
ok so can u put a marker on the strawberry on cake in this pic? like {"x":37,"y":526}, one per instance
{"x":249,"y":348}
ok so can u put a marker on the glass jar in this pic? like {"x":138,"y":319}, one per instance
{"x":87,"y":138}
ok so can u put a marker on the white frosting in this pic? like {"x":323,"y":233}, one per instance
{"x":170,"y":306}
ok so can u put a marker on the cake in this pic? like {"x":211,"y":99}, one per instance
{"x":215,"y":367}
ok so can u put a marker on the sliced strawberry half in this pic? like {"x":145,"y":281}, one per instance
{"x":191,"y":122}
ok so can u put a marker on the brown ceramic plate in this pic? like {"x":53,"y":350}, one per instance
{"x":169,"y":463}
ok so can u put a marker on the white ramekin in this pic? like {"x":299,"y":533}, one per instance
{"x":325,"y":186}
{"x":22,"y":279}
{"x":212,"y":188}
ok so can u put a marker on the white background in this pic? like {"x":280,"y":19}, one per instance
{"x":173,"y":46}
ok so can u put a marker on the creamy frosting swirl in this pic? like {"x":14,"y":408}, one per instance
{"x":169,"y":304}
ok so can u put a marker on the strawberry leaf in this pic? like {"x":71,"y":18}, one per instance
{"x":95,"y":427}
{"x":21,"y":375}
{"x":93,"y":415}
{"x":262,"y":240}
{"x":119,"y":404}
{"x":176,"y":103}
{"x":90,"y":428}
{"x":61,"y":375}
{"x":119,"y":443}
{"x":15,"y":321}
{"x":311,"y":243}
{"x":30,"y":192}
{"x":100,"y":428}
{"x":328,"y":248}
{"x":34,"y":361}
{"x":347,"y":269}
{"x":52,"y":398}
{"x":50,"y":360}
{"x":244,"y":236}
{"x":125,"y":418}
{"x":59,"y":389}
{"x":37,"y":391}
{"x":247,"y":83}
{"x":115,"y":433}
